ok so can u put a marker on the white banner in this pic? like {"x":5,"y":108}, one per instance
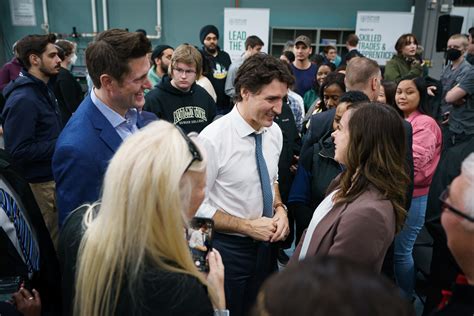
{"x":378,"y":32}
{"x":241,"y":23}
{"x":23,"y":12}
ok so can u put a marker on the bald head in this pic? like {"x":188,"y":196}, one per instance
{"x":363,"y":74}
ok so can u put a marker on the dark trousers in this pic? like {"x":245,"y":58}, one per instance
{"x":247,"y":264}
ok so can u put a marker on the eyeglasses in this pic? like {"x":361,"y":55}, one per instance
{"x":186,"y":72}
{"x":443,"y":197}
{"x":195,"y":153}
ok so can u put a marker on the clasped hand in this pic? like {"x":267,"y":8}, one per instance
{"x":270,"y":229}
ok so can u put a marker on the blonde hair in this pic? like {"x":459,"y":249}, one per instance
{"x":463,"y":38}
{"x":141,"y":218}
{"x":186,"y":54}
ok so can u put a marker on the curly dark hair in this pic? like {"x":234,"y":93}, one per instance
{"x":375,"y":156}
{"x":331,"y":67}
{"x":332,"y":78}
{"x":258,"y":71}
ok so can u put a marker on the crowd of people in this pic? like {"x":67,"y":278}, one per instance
{"x":335,"y":157}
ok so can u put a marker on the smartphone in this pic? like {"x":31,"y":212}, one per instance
{"x":199,"y":236}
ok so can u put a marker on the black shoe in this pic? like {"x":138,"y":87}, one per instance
{"x":282,"y":257}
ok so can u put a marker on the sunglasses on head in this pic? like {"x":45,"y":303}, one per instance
{"x":193,"y":150}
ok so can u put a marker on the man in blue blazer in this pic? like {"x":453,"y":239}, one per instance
{"x":118,"y":65}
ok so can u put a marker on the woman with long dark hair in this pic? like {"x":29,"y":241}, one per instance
{"x":365,"y":208}
{"x":411,"y":99}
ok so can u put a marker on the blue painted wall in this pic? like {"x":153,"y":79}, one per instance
{"x":182,"y":19}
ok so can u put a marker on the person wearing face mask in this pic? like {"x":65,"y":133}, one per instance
{"x":66,"y":88}
{"x":455,"y":70}
{"x":405,"y":64}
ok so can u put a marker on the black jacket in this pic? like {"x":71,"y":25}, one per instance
{"x":192,"y":110}
{"x":317,"y":168}
{"x":319,"y":124}
{"x":443,"y":265}
{"x":460,"y":302}
{"x":291,"y":146}
{"x":47,"y":280}
{"x":219,"y":66}
{"x":353,"y":53}
{"x":32,"y":124}
{"x":68,"y":92}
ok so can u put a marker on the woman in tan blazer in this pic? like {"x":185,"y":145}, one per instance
{"x":365,"y":208}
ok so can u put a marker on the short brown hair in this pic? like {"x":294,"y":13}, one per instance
{"x":187,"y":54}
{"x":65,"y":48}
{"x":253,"y":41}
{"x":33,"y":45}
{"x":405,"y":40}
{"x":352,"y":39}
{"x":327,"y":48}
{"x":111,"y":51}
{"x":258,"y":71}
{"x":328,"y":285}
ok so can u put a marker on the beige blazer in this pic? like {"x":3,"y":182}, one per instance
{"x":360,"y":231}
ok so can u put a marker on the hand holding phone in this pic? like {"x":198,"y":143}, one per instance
{"x":215,"y":277}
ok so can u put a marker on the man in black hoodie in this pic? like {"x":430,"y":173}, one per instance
{"x":219,"y":62}
{"x":178,"y":99}
{"x":32,"y":122}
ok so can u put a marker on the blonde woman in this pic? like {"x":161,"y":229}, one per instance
{"x":133,"y":258}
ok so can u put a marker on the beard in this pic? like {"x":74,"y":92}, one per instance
{"x":163,"y":68}
{"x":211,"y":50}
{"x":48,"y":72}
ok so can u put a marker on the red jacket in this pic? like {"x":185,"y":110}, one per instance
{"x":9,"y":72}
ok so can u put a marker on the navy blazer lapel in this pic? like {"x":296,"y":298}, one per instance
{"x":108,"y":134}
{"x":324,"y":226}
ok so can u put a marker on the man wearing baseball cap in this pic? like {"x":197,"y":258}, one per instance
{"x":219,"y":63}
{"x":303,"y":69}
{"x":161,"y":58}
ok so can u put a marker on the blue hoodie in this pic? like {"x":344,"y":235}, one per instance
{"x":31,"y":124}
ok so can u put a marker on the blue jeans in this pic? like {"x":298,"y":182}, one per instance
{"x":405,"y":273}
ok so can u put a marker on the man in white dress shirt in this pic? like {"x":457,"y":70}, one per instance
{"x":245,"y":202}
